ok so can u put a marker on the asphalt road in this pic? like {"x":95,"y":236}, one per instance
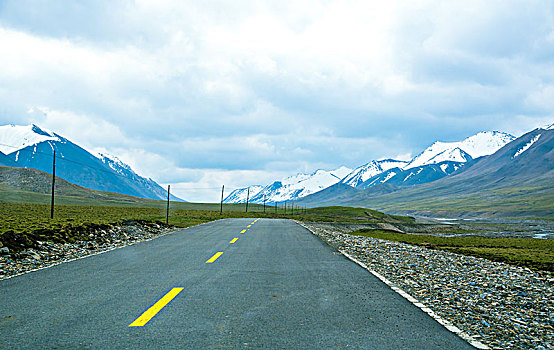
{"x":276,"y":287}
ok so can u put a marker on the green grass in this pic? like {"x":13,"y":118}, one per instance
{"x":537,"y":254}
{"x":31,"y":221}
{"x":24,"y":217}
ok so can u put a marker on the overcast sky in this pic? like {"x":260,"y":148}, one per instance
{"x":197,"y":94}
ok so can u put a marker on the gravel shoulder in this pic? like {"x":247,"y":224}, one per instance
{"x":45,"y":254}
{"x":500,"y":305}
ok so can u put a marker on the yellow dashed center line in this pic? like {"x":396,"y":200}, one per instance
{"x":154,"y":309}
{"x":214,"y":258}
{"x":160,"y":304}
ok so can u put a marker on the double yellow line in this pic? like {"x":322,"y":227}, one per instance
{"x":160,"y":304}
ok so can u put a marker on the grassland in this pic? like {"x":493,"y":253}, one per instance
{"x":515,"y":201}
{"x":22,"y":223}
{"x":537,"y":254}
{"x":25,"y":217}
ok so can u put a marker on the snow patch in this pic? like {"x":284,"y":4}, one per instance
{"x":526,"y":147}
{"x":388,"y":177}
{"x":114,"y":163}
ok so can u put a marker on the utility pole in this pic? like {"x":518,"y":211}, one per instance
{"x":285,"y":207}
{"x":53,"y":185}
{"x":264,"y":203}
{"x":167,"y":211}
{"x":247,"y":198}
{"x":221,"y":204}
{"x":275,"y":207}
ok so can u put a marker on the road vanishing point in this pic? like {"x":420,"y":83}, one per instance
{"x":235,"y":284}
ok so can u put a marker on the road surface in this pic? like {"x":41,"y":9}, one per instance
{"x":275,"y":287}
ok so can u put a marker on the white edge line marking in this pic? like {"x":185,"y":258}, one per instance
{"x":103,"y":251}
{"x":446,"y":324}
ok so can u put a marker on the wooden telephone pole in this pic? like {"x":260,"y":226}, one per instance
{"x":221,"y":204}
{"x":53,"y":184}
{"x":247,"y":198}
{"x":167,"y":211}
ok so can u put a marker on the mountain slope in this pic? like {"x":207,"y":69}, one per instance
{"x":32,"y":147}
{"x":35,"y":186}
{"x":5,"y":160}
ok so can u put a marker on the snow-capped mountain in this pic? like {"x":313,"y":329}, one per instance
{"x":479,"y":145}
{"x":290,"y":188}
{"x":240,"y":195}
{"x":16,"y":137}
{"x":32,"y":147}
{"x":413,"y":176}
{"x":369,"y":170}
{"x":516,"y":180}
{"x":439,"y":160}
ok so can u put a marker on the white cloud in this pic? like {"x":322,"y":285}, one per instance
{"x":177,"y":88}
{"x":86,"y":131}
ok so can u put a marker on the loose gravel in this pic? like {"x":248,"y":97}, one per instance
{"x":500,"y":305}
{"x":49,"y":253}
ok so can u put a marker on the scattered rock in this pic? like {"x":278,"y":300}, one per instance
{"x":46,"y":253}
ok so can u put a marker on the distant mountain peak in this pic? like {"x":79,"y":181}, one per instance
{"x":454,"y":155}
{"x":97,"y":171}
{"x":368,"y":170}
{"x":40,"y":131}
{"x":16,"y":137}
{"x":290,"y":188}
{"x":481,"y":144}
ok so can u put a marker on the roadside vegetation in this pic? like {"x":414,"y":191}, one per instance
{"x":22,"y":224}
{"x":536,"y":254}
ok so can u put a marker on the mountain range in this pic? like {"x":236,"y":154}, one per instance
{"x":516,"y":180}
{"x":33,"y":147}
{"x":487,"y":173}
{"x":435,"y":162}
{"x":290,"y":188}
